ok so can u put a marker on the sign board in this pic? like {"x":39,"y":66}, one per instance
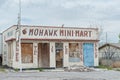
{"x":59,"y":33}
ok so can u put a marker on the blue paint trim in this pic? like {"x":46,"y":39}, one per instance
{"x":88,"y":52}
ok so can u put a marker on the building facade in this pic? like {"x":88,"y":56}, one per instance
{"x":50,"y":47}
{"x":109,"y":54}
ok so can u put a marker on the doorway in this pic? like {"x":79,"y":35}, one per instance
{"x":43,"y":55}
{"x":59,"y":54}
{"x":88,"y":50}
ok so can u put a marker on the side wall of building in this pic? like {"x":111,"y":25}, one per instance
{"x":7,"y":35}
{"x":109,"y":56}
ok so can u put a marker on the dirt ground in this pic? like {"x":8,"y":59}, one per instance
{"x":94,"y":75}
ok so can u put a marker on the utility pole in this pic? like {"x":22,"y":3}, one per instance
{"x":19,"y":14}
{"x":106,"y":37}
{"x":18,"y":38}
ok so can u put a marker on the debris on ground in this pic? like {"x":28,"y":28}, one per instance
{"x":78,"y":68}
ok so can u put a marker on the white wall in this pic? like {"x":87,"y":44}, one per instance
{"x":10,"y":34}
{"x":96,"y":54}
{"x":7,"y":35}
{"x":52,"y":55}
{"x":59,"y":33}
{"x":66,"y":54}
{"x":35,"y":57}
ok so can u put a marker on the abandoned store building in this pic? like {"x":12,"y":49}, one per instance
{"x":50,"y":47}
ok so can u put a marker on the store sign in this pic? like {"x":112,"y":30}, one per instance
{"x":58,"y":33}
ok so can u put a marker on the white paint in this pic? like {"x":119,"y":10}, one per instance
{"x":66,"y":63}
{"x":75,"y":63}
{"x":15,"y":64}
{"x":65,"y":54}
{"x":10,"y":33}
{"x":81,"y":62}
{"x":96,"y":60}
{"x":35,"y":54}
{"x":35,"y":33}
{"x":52,"y":55}
{"x":27,"y":65}
{"x":4,"y":62}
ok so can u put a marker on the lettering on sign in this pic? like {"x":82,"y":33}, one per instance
{"x":35,"y":50}
{"x":58,"y":33}
{"x":81,"y":53}
{"x":52,"y":49}
{"x":47,"y":32}
{"x":95,"y":50}
{"x":66,"y":50}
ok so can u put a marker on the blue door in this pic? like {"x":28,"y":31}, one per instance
{"x":88,"y":52}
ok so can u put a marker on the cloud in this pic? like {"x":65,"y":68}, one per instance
{"x":68,"y":12}
{"x":2,"y":2}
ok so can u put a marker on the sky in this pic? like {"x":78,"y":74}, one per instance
{"x":104,"y":14}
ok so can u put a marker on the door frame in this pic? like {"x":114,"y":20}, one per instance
{"x":62,"y":63}
{"x":86,"y":56}
{"x":39,"y":56}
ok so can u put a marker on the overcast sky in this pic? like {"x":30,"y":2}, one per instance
{"x":71,"y":13}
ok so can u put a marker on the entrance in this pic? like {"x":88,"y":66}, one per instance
{"x":43,"y":55}
{"x":59,"y":54}
{"x":88,"y":50}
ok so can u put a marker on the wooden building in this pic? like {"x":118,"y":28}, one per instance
{"x":109,"y":54}
{"x":50,"y":47}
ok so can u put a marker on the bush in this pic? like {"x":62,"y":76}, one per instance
{"x":16,"y":69}
{"x":105,"y":67}
{"x":40,"y":69}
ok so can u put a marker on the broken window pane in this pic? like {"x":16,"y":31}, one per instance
{"x":74,"y":52}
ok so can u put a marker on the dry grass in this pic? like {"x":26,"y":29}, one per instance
{"x":113,"y":64}
{"x":116,"y":64}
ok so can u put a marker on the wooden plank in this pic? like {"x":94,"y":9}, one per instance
{"x":27,"y":52}
{"x":44,"y":55}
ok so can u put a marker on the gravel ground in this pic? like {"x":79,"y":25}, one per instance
{"x":94,"y":75}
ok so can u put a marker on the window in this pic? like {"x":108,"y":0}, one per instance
{"x":27,"y":52}
{"x":74,"y":52}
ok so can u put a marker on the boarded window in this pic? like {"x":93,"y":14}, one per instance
{"x":10,"y":54}
{"x":27,"y":52}
{"x":43,"y":55}
{"x":74,"y":52}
